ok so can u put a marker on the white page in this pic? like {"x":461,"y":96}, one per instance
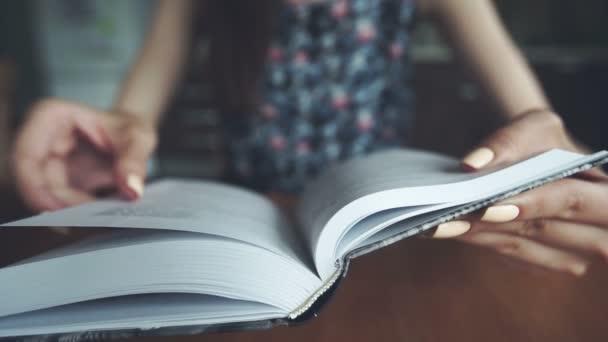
{"x":398,"y":228}
{"x":195,"y":206}
{"x":400,"y":178}
{"x":354,"y":179}
{"x":374,"y":223}
{"x":156,"y":262}
{"x":136,"y":312}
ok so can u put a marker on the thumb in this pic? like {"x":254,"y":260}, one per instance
{"x":523,"y":138}
{"x":499,"y":148}
{"x":131,"y":164}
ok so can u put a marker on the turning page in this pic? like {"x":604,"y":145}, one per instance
{"x":390,"y":186}
{"x":194,"y":206}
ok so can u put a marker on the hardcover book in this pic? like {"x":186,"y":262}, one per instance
{"x":195,"y":256}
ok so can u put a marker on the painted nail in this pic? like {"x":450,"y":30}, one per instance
{"x":451,"y":229}
{"x":136,"y":184}
{"x":578,"y":270}
{"x":479,"y":158}
{"x":501,"y":213}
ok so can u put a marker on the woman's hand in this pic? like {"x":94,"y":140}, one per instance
{"x":558,"y":226}
{"x":66,"y":152}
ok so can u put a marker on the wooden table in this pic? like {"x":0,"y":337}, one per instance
{"x":423,"y":290}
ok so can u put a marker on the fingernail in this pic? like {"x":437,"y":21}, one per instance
{"x":451,"y":229}
{"x":578,"y":269}
{"x":501,"y":213}
{"x":479,"y":158}
{"x":136,"y":184}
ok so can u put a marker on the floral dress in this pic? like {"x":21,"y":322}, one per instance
{"x":336,"y":87}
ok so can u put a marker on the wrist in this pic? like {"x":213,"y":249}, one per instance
{"x":138,"y":118}
{"x":543,"y":118}
{"x":535,"y":110}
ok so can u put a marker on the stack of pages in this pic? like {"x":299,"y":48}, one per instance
{"x":195,"y":256}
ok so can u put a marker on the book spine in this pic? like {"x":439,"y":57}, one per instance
{"x":317,"y":294}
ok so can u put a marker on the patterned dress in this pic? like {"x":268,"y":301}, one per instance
{"x":336,"y":86}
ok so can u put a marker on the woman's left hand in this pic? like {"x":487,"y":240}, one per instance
{"x":559,"y":226}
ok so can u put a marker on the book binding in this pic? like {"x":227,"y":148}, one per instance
{"x":312,"y":307}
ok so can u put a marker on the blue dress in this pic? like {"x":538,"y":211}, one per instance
{"x":336,"y":86}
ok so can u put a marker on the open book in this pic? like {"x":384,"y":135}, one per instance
{"x":207,"y":256}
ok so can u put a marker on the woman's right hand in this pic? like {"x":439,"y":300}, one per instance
{"x":66,"y":152}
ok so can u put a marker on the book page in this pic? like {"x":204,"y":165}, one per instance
{"x":136,"y":312}
{"x":354,"y":190}
{"x":387,"y":170}
{"x":195,"y":206}
{"x":155,"y":262}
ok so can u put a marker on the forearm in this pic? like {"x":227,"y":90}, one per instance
{"x":475,"y":30}
{"x":152,"y":78}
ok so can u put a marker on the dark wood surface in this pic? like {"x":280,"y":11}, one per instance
{"x":421,"y":290}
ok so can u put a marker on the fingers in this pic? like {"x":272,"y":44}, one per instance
{"x":48,"y":190}
{"x":593,"y":175}
{"x":92,"y":129}
{"x":569,"y":213}
{"x":55,"y":131}
{"x":568,"y":199}
{"x":33,"y":187}
{"x":44,"y":142}
{"x":59,"y":185}
{"x":531,"y":235}
{"x":530,"y":251}
{"x":451,"y":229}
{"x":32,"y":147}
{"x":131,"y":164}
{"x":520,"y":140}
{"x":583,"y":238}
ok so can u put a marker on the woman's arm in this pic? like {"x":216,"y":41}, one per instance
{"x":558,"y":226}
{"x":152,"y":77}
{"x":475,"y":30}
{"x":65,"y":152}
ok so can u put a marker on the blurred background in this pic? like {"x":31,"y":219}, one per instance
{"x":80,"y":50}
